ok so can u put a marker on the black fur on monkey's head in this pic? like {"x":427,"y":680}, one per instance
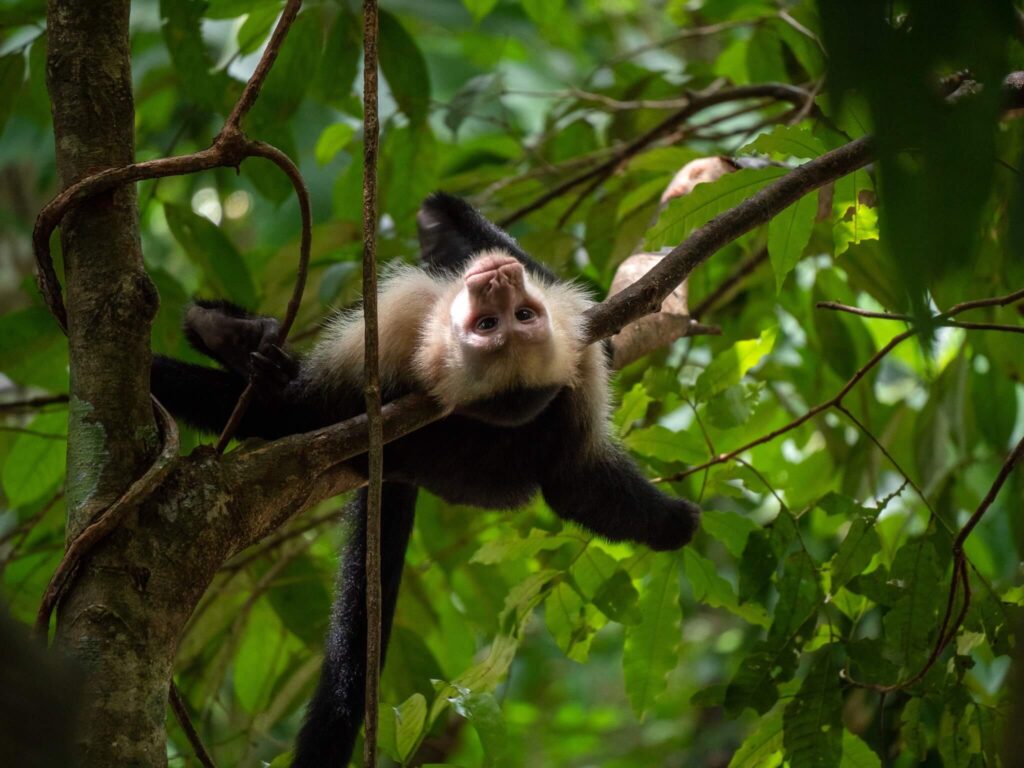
{"x":450,"y":229}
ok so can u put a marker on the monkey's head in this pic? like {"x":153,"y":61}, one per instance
{"x":496,"y":330}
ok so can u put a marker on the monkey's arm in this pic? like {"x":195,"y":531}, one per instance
{"x":335,"y":713}
{"x":608,"y":495}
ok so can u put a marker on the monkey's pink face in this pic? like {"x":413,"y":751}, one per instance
{"x":496,"y":307}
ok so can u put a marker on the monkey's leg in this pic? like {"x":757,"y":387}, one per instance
{"x":335,"y":713}
{"x":611,"y":497}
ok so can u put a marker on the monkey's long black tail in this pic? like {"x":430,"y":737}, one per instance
{"x":335,"y":713}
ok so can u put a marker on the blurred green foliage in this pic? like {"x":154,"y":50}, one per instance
{"x":824,"y":559}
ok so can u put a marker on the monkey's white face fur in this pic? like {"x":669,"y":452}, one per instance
{"x":469,"y":336}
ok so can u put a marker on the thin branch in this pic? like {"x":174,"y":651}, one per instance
{"x":228,"y":150}
{"x":837,"y":307}
{"x":279,"y":158}
{"x":725,"y":289}
{"x":371,"y":384}
{"x":181,"y":714}
{"x":697,"y":103}
{"x":31,"y":404}
{"x":108,"y":520}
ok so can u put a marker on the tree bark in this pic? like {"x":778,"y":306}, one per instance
{"x":112,"y":435}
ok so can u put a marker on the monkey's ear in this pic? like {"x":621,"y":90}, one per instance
{"x":452,"y":232}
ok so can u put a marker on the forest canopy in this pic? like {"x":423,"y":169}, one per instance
{"x":844,"y":396}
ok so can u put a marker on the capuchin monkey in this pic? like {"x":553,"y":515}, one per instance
{"x":489,"y":332}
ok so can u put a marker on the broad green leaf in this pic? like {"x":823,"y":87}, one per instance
{"x":860,"y":545}
{"x":857,"y":754}
{"x":617,"y":598}
{"x":912,"y":732}
{"x":634,"y":408}
{"x":410,"y":717}
{"x":763,"y":747}
{"x":728,"y":368}
{"x":711,"y":589}
{"x":183,"y":35}
{"x":799,"y":598}
{"x":684,"y":214}
{"x":786,"y":141}
{"x":209,"y":248}
{"x":660,"y":443}
{"x":855,"y":220}
{"x":592,"y":569}
{"x":651,"y":646}
{"x":256,"y":28}
{"x":479,"y":8}
{"x":733,"y":406}
{"x":757,"y":565}
{"x":33,"y":351}
{"x":788,"y":236}
{"x":517,"y":549}
{"x":757,"y":678}
{"x":911,"y":624}
{"x":813,"y":735}
{"x":340,"y":62}
{"x":12,"y":72}
{"x":36,"y":462}
{"x":958,"y":740}
{"x":570,"y":621}
{"x":263,"y":657}
{"x":333,"y":139}
{"x":404,"y":68}
{"x":483,"y":711}
{"x":290,"y":77}
{"x":301,"y":600}
{"x":543,"y":12}
{"x":728,"y":528}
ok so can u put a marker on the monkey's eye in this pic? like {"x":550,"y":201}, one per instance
{"x":525,"y":314}
{"x":486,"y":323}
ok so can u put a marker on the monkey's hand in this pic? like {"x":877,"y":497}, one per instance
{"x":271,"y":369}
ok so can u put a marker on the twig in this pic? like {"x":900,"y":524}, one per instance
{"x":181,"y":714}
{"x":697,"y":103}
{"x":228,"y":149}
{"x":31,"y":403}
{"x":276,"y":156}
{"x":108,"y":520}
{"x":371,"y":389}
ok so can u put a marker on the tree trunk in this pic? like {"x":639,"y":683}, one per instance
{"x":112,"y":436}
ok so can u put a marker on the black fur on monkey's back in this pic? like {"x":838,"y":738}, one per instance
{"x":495,"y":454}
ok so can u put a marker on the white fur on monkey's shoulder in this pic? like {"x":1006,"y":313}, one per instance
{"x":418,"y":346}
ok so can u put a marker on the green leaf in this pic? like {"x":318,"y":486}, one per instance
{"x":788,"y":236}
{"x":684,"y":214}
{"x":567,"y":618}
{"x":404,"y":68}
{"x":728,"y":528}
{"x":660,"y":443}
{"x":763,"y":747}
{"x":858,"y":548}
{"x":483,"y":711}
{"x":786,"y":141}
{"x":618,"y":599}
{"x":543,"y":12}
{"x":912,"y":622}
{"x":855,"y":220}
{"x":36,"y":463}
{"x":799,"y":598}
{"x":912,"y":732}
{"x":340,"y":63}
{"x":12,"y":73}
{"x":294,"y":70}
{"x":757,"y":678}
{"x":255,"y":30}
{"x":727,"y":368}
{"x":650,"y":651}
{"x":479,"y":8}
{"x":958,"y":740}
{"x":300,"y":599}
{"x":518,"y":549}
{"x":813,"y":736}
{"x":183,"y":35}
{"x":33,"y":351}
{"x":711,"y":589}
{"x":633,"y":409}
{"x":410,"y":717}
{"x":333,"y":139}
{"x":857,"y":754}
{"x":209,"y":248}
{"x":733,"y":406}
